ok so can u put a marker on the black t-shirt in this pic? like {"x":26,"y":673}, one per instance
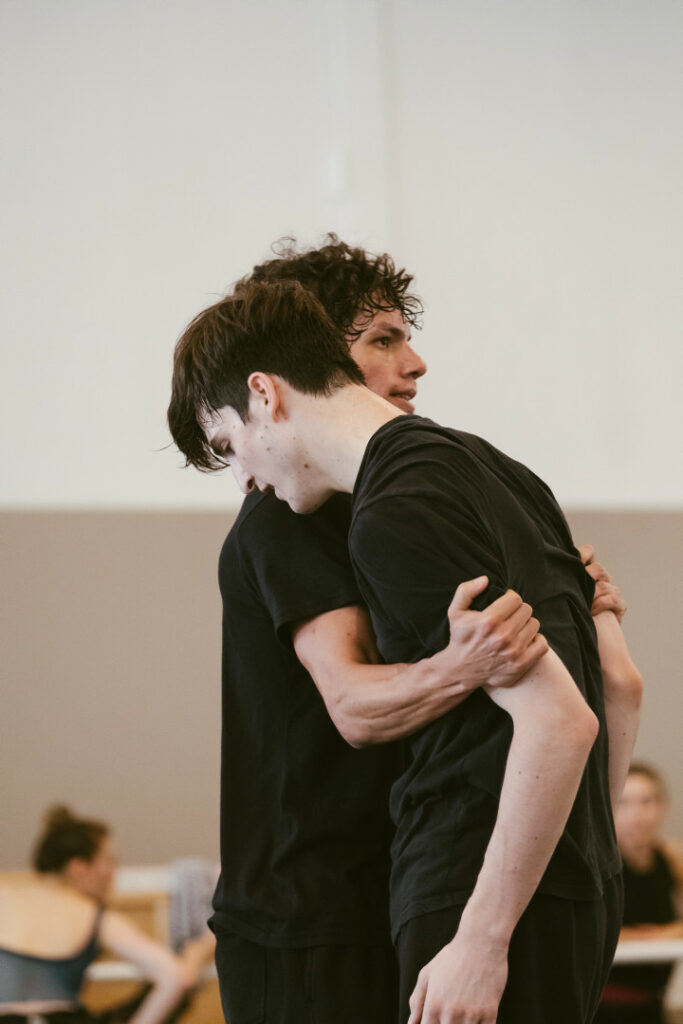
{"x":433,"y":507}
{"x":305,"y":830}
{"x":648,"y":899}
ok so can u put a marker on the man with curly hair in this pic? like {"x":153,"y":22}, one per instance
{"x":504,"y":852}
{"x":301,"y":908}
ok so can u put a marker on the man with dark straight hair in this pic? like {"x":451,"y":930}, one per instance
{"x":504,"y":851}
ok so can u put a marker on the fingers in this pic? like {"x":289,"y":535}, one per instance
{"x":417,"y":1000}
{"x":518,"y":630}
{"x":519,"y":618}
{"x":503,"y":607}
{"x":598,"y":572}
{"x":466,"y":593}
{"x":587,"y":553}
{"x":608,"y":599}
{"x":527,"y":633}
{"x":533,"y":653}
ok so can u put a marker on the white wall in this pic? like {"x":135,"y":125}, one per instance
{"x":523,"y":157}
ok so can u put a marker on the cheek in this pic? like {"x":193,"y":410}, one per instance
{"x":380,"y":376}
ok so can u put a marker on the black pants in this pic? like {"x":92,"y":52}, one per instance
{"x":314,"y":985}
{"x":559,"y":958}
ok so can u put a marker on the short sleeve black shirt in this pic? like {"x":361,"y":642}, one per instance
{"x":305,"y":828}
{"x":433,"y":507}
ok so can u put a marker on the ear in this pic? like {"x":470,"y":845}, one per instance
{"x":266,"y":389}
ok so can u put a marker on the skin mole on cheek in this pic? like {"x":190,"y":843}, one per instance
{"x":306,"y":466}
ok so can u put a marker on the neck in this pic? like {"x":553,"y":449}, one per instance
{"x":639,"y":855}
{"x":339,"y":429}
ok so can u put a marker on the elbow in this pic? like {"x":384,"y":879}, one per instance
{"x":590,"y":729}
{"x":353,"y":731}
{"x":634,"y":688}
{"x":351,"y":725}
{"x":626,"y":687}
{"x":579,"y":726}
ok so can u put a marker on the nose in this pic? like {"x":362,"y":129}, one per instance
{"x":245,"y":481}
{"x":413,"y":365}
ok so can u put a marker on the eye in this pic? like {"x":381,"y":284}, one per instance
{"x":382,"y":342}
{"x":223,"y":453}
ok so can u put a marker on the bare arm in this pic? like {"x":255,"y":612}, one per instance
{"x":623,"y":688}
{"x":554,"y":730}
{"x":171,"y":977}
{"x":622,"y":682}
{"x":197,"y":953}
{"x":373,"y":703}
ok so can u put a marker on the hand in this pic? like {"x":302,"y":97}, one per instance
{"x":607,"y":597}
{"x":494,"y":647}
{"x":463,"y":984}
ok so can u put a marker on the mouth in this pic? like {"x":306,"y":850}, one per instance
{"x":404,"y":399}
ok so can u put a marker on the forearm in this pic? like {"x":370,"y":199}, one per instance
{"x":623,"y":689}
{"x":553,"y":734}
{"x":169,"y":975}
{"x":379,"y":703}
{"x":160,"y":1001}
{"x":373,"y":703}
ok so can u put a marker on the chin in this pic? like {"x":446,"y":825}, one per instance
{"x":403,"y":404}
{"x":310,"y":503}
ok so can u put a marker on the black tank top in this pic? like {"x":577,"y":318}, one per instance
{"x":30,"y":979}
{"x":648,"y":899}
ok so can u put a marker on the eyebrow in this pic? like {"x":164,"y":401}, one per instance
{"x":386,"y":328}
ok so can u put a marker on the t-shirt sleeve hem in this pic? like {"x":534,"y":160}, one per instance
{"x":285,"y":619}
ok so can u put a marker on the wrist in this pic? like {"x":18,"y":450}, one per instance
{"x":479,"y":925}
{"x":441,"y":673}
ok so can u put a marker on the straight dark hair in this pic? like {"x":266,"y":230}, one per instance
{"x":64,"y":837}
{"x":278,"y":328}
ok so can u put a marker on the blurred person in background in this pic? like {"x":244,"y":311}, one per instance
{"x":652,"y":874}
{"x":54,"y":921}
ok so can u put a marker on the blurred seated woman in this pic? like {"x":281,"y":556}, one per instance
{"x":634,"y":992}
{"x":53,"y":923}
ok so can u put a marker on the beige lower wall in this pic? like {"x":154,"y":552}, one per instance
{"x":111,"y":658}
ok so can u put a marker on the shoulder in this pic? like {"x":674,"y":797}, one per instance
{"x":269,"y":537}
{"x":412,"y":452}
{"x":407,"y":435}
{"x":296,"y":566}
{"x":671,"y":853}
{"x":417,"y":472}
{"x":266,"y":519}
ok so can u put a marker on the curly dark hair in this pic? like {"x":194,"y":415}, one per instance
{"x":351,"y":283}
